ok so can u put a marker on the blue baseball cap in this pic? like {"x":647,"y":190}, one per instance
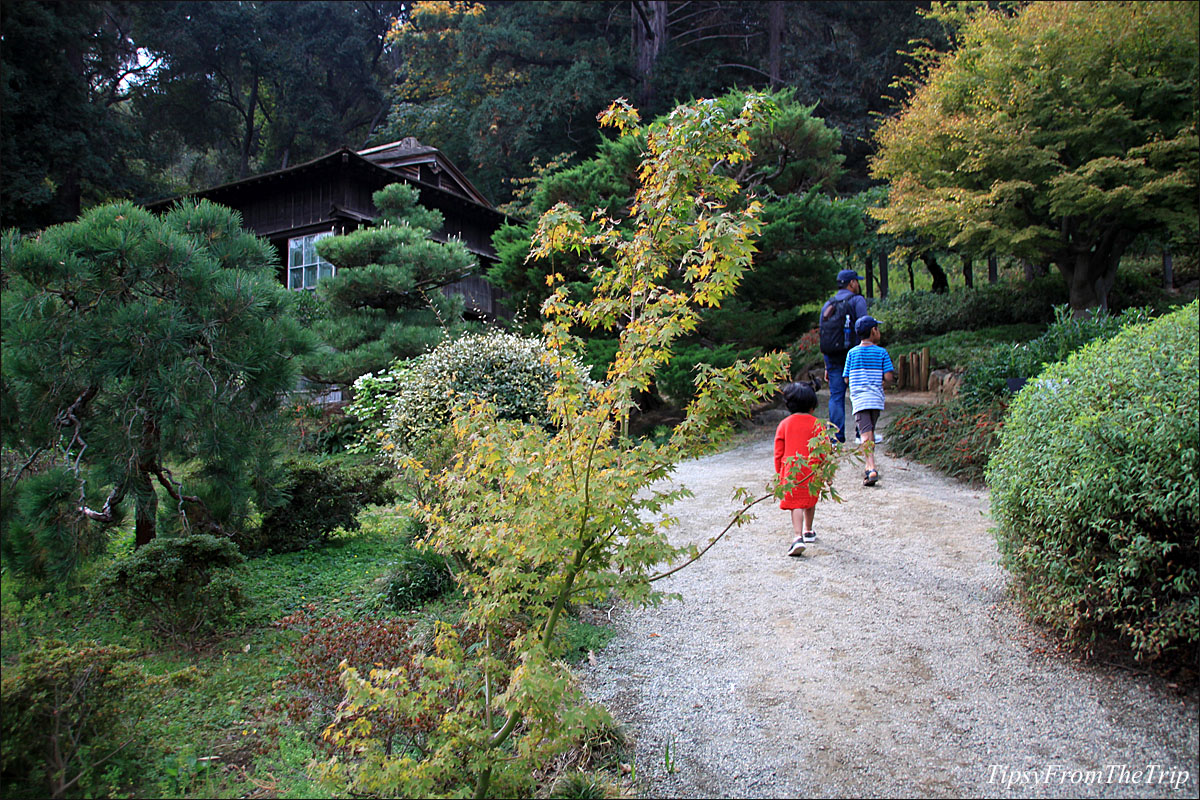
{"x":845,"y":276}
{"x":863,"y":325}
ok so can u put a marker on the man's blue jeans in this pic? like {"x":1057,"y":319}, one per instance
{"x":837,"y":401}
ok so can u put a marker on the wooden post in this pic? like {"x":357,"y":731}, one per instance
{"x":899,"y":365}
{"x":924,"y":369}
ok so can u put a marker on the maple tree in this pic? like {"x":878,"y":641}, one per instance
{"x":541,"y":518}
{"x":1056,"y":134}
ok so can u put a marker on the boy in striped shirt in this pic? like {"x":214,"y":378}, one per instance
{"x":868,"y":369}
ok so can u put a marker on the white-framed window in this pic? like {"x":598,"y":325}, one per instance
{"x":305,"y":267}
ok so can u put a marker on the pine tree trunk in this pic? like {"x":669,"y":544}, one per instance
{"x":145,"y":510}
{"x":883,"y":275}
{"x":993,"y":269}
{"x":968,"y":267}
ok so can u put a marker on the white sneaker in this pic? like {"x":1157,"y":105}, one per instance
{"x":858,"y":440}
{"x":797,"y":547}
{"x":809,"y":536}
{"x":878,"y":438}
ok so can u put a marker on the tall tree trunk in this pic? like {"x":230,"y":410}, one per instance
{"x":649,"y":36}
{"x":1168,"y":270}
{"x":941,"y":284}
{"x":870,"y":269}
{"x":912,"y":278}
{"x":248,"y":133}
{"x":968,"y":267}
{"x":774,"y":40}
{"x":883,"y":275}
{"x":993,"y":269}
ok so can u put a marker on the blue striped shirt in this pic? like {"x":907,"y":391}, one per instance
{"x":865,"y":366}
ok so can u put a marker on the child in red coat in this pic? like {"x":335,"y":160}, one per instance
{"x":792,"y":439}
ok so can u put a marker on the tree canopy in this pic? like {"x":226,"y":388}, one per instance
{"x":1057,"y":134}
{"x":133,"y":344}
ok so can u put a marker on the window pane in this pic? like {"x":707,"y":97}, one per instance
{"x":310,"y":252}
{"x":295,"y":252}
{"x":325,"y":269}
{"x":295,"y":278}
{"x":310,"y":276}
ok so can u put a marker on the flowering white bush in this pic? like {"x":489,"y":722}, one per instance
{"x":411,"y":399}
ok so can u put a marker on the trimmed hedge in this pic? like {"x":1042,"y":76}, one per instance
{"x":1094,"y":490}
{"x":914,"y":315}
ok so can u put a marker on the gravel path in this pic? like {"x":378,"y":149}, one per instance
{"x":885,"y":662}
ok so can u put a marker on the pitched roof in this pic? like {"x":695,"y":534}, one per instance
{"x":401,"y":159}
{"x":407,"y":155}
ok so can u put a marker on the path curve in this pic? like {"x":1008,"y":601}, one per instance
{"x":887,"y":661}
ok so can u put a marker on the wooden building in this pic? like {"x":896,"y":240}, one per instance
{"x":331,"y":195}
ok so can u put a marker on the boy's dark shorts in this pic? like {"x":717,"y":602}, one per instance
{"x":865,"y":420}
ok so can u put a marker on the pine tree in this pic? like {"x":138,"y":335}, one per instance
{"x":386,"y":300}
{"x":132,"y":345}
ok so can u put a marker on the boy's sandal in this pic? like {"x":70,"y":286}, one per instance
{"x":870,"y":477}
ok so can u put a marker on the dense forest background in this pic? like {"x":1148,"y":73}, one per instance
{"x":128,"y":100}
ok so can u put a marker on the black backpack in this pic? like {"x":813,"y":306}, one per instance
{"x":837,"y":328}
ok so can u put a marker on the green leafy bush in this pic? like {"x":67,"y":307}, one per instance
{"x":1065,"y":335}
{"x":181,"y":588}
{"x":953,"y":437}
{"x":412,"y":399}
{"x":962,"y":349}
{"x":324,"y":494}
{"x":914,"y":315}
{"x":419,"y":575}
{"x":1094,"y":490}
{"x":68,"y":711}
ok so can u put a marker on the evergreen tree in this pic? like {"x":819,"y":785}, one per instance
{"x":134,"y":345}
{"x":67,"y":140}
{"x":386,"y":300}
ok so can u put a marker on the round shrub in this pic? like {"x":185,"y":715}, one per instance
{"x":67,"y":710}
{"x":324,"y":494}
{"x":181,"y":588}
{"x":418,"y":576}
{"x":1094,"y":490}
{"x":412,"y":399}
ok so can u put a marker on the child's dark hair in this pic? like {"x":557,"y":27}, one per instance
{"x":799,"y":397}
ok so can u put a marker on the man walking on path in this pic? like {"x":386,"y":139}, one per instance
{"x":838,"y":316}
